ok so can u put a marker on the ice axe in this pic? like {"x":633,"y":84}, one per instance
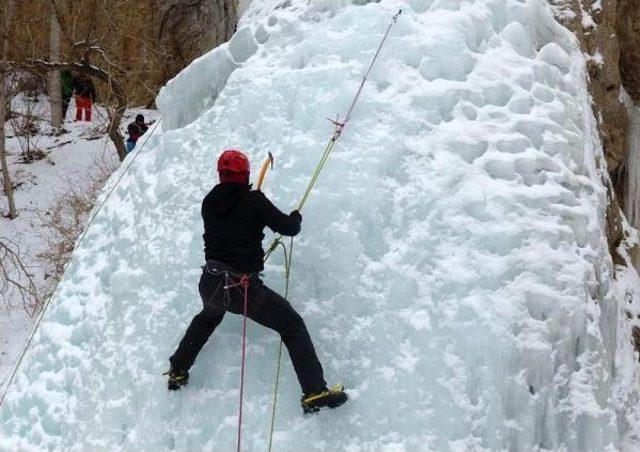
{"x":263,"y":171}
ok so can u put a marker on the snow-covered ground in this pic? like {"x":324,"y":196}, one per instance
{"x":453,"y":267}
{"x":74,"y":159}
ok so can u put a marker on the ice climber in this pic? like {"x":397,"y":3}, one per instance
{"x":234,"y":219}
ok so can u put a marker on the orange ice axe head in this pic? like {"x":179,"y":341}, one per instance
{"x":263,"y":171}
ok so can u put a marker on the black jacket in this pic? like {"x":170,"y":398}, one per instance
{"x":234,"y":218}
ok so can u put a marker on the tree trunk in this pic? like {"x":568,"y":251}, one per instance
{"x":8,"y":186}
{"x":114,"y":131}
{"x":55,"y":89}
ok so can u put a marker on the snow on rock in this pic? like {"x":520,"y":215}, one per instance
{"x":452,"y":267}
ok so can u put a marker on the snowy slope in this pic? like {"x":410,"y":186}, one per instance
{"x":74,"y":159}
{"x":452,"y":268}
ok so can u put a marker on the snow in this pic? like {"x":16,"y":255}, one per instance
{"x":563,"y":10}
{"x":588,"y":24}
{"x":596,"y":6}
{"x":453,"y":268}
{"x":72,"y":158}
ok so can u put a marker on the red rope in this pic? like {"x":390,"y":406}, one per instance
{"x":244,"y":282}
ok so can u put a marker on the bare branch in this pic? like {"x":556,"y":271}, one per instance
{"x":93,"y":71}
{"x":16,"y":278}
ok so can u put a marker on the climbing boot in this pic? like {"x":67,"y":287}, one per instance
{"x":327,"y":398}
{"x":177,"y":379}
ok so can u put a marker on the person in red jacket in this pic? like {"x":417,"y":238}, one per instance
{"x":234,"y":219}
{"x":85,"y":96}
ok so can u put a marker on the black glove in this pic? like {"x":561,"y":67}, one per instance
{"x":296,"y":215}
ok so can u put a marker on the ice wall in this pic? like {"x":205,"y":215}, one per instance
{"x":632,"y":164}
{"x":452,"y":267}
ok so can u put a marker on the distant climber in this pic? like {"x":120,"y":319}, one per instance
{"x":66,"y":86}
{"x":234,"y":218}
{"x":135,"y":130}
{"x":85,"y":94}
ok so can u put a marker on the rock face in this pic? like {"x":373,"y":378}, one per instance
{"x":186,"y":29}
{"x":594,"y":24}
{"x":629,"y":37}
{"x":609,"y":34}
{"x":149,"y":40}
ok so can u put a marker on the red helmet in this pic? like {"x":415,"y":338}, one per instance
{"x":233,"y":161}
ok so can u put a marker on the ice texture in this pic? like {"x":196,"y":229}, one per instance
{"x":452,"y":267}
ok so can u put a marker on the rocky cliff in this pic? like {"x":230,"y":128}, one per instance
{"x":609,"y":34}
{"x":628,"y":26}
{"x":595,"y":26}
{"x":186,"y":29}
{"x":149,"y":40}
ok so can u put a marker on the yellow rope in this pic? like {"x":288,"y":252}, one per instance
{"x":339,"y":126}
{"x":288,"y":259}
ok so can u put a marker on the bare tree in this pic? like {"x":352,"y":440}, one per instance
{"x":109,"y":76}
{"x":24,"y":120}
{"x":8,"y":186}
{"x":16,"y":278}
{"x":108,"y":71}
{"x":55,"y":91}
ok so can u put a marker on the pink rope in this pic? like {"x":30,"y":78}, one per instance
{"x":244,"y":281}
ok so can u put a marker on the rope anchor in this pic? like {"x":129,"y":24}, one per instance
{"x":338,"y":126}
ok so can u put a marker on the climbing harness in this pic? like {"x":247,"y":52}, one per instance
{"x":78,"y":243}
{"x":339,"y":127}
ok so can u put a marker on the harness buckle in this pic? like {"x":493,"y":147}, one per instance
{"x":243,"y":281}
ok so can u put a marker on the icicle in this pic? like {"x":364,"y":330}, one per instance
{"x":632,"y":189}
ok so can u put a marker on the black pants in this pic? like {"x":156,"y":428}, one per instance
{"x":266,"y":308}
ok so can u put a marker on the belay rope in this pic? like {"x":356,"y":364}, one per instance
{"x":244,"y":283}
{"x":288,"y":256}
